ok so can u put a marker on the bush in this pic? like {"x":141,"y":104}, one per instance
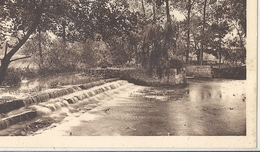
{"x":13,"y":77}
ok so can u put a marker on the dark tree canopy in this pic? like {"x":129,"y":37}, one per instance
{"x":145,"y":30}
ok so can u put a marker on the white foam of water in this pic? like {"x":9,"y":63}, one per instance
{"x":57,"y":103}
{"x":60,"y":130}
{"x":161,"y":98}
{"x":79,"y":98}
{"x":63,"y":129}
{"x":14,"y":96}
{"x":41,"y":110}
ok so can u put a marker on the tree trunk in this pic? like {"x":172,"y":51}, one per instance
{"x":168,"y":11}
{"x":168,"y":39}
{"x":64,"y":36}
{"x":3,"y":69}
{"x":64,"y":32}
{"x":6,"y":47}
{"x":6,"y":60}
{"x":203,"y":33}
{"x":144,"y":55}
{"x":242,"y":46}
{"x":177,"y":37}
{"x":188,"y":32}
{"x":143,"y":7}
{"x":220,"y":56}
{"x":154,"y":12}
{"x":40,"y":46}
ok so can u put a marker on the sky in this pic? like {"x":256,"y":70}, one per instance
{"x":178,"y":15}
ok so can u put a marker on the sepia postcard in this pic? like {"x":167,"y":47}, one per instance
{"x":128,"y":74}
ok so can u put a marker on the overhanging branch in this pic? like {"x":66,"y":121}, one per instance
{"x":30,"y":31}
{"x":25,"y":57}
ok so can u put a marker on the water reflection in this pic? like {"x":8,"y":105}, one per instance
{"x":217,"y":90}
{"x":211,"y":108}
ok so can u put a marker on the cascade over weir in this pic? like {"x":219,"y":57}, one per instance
{"x":45,"y":102}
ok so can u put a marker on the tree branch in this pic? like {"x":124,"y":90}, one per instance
{"x":30,"y":31}
{"x":25,"y":57}
{"x":6,"y":46}
{"x":193,"y":2}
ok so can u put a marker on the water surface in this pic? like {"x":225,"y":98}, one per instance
{"x":204,"y":108}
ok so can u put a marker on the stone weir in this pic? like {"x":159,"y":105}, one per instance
{"x":28,"y":108}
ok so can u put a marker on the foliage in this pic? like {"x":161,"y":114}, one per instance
{"x":103,"y":32}
{"x":237,"y":13}
{"x":121,"y":50}
{"x":13,"y":78}
{"x":96,"y":53}
{"x":235,"y":52}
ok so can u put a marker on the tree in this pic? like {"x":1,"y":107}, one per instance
{"x":234,"y":52}
{"x":36,"y":47}
{"x":200,"y":19}
{"x":160,"y":39}
{"x":189,"y":6}
{"x":145,"y":30}
{"x":20,"y":19}
{"x":236,"y":12}
{"x":203,"y":33}
{"x":186,"y":7}
{"x":24,"y":17}
{"x":71,"y":20}
{"x":217,"y":32}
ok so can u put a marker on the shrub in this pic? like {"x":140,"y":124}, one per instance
{"x":13,"y":77}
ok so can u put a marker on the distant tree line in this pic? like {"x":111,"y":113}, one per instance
{"x":62,"y":34}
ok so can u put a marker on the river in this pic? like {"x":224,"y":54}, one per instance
{"x":203,"y":108}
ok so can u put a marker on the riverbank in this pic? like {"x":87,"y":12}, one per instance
{"x":141,"y":76}
{"x":207,"y":71}
{"x":237,"y":73}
